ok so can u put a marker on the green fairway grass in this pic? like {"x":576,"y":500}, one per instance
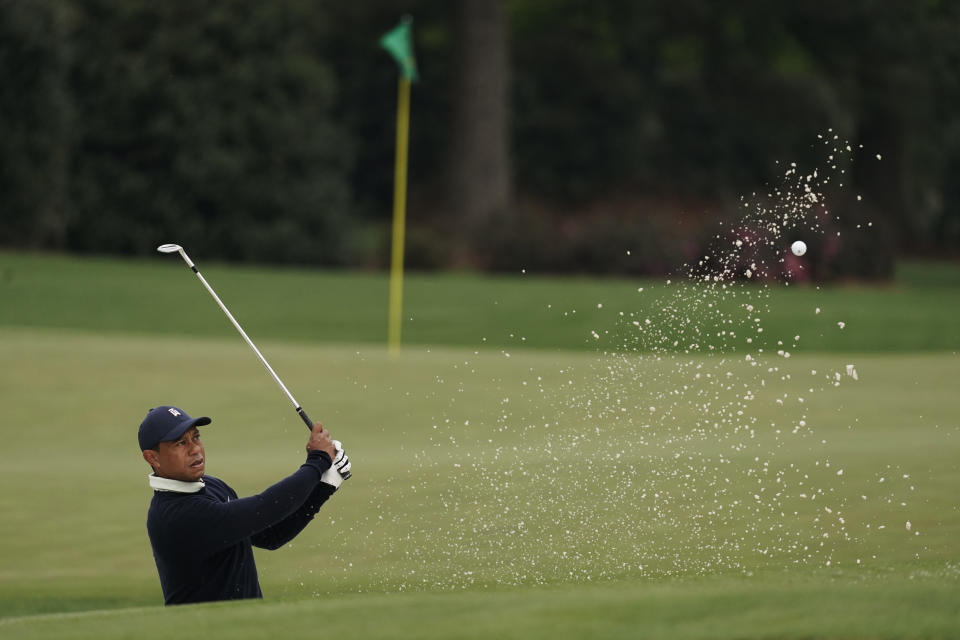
{"x":499,"y":490}
{"x":710,"y":609}
{"x":75,"y":497}
{"x":917,"y":311}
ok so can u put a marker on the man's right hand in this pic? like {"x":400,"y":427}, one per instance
{"x":320,"y":440}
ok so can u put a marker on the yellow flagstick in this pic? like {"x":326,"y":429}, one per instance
{"x":399,"y":217}
{"x":399,"y":43}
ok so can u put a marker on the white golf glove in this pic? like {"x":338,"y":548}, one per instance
{"x":339,"y":470}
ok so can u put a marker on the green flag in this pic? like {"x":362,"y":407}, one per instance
{"x":399,"y":42}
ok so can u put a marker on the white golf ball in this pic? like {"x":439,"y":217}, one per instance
{"x":799,"y":248}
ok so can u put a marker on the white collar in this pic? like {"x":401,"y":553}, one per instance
{"x":176,"y":486}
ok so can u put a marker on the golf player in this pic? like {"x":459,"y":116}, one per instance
{"x":201,"y":533}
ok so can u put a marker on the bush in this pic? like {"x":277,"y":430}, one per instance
{"x":617,"y":243}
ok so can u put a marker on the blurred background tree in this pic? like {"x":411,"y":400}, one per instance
{"x":479,"y":188}
{"x":546,"y":134}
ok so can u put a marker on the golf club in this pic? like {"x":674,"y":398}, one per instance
{"x":175,"y":248}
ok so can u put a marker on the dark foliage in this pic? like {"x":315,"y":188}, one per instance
{"x":265,"y":131}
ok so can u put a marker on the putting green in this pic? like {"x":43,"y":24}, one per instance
{"x":916,"y":312}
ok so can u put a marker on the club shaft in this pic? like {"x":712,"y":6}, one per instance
{"x":273,"y":374}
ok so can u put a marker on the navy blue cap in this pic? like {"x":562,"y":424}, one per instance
{"x":164,"y":424}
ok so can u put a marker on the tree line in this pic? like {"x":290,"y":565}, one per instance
{"x":547,"y":134}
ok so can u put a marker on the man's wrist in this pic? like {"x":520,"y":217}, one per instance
{"x":319,"y":460}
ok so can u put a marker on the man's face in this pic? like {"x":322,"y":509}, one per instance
{"x":181,"y":459}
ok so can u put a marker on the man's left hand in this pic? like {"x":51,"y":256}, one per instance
{"x":339,"y":470}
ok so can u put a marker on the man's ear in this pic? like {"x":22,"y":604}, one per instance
{"x":152,"y":457}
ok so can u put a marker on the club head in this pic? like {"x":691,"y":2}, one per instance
{"x":169,"y":248}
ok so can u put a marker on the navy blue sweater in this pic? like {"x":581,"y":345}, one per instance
{"x":203,"y":542}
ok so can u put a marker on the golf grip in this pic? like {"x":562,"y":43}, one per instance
{"x":306,"y":420}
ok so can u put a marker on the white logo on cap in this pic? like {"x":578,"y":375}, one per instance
{"x":174,"y":412}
